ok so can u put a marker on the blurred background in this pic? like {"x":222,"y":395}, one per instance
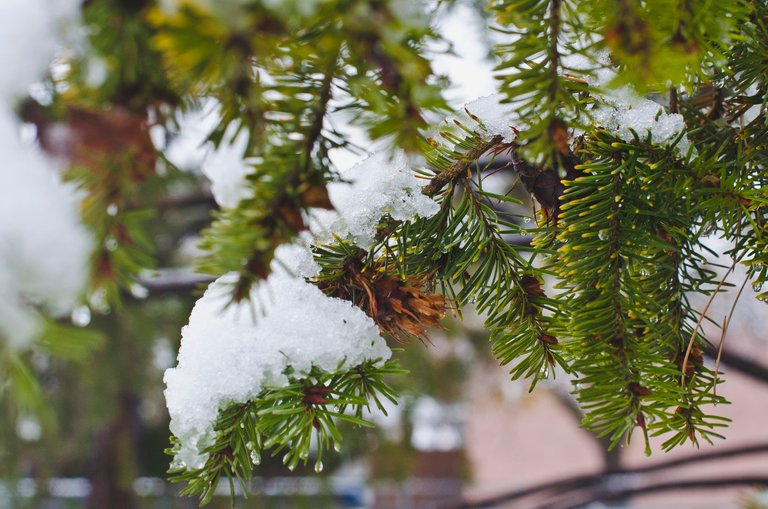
{"x":462,"y":436}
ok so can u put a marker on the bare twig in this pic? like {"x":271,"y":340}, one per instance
{"x":460,"y":167}
{"x":701,"y":318}
{"x":726,"y":323}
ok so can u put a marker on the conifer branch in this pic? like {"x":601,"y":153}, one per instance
{"x":287,"y":419}
{"x":622,"y":235}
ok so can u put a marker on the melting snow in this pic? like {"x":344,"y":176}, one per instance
{"x":228,"y":355}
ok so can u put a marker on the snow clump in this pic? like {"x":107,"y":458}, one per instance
{"x":231,"y":353}
{"x":380,"y":185}
{"x":497,"y":117}
{"x":225,"y":166}
{"x":29,"y":35}
{"x":44,"y":248}
{"x":227,"y":170}
{"x":625,"y":111}
{"x":228,"y":355}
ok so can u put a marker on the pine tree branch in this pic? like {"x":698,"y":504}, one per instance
{"x":286,"y":181}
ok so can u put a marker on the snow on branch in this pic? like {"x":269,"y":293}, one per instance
{"x":44,"y":248}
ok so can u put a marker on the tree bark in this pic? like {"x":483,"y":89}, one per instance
{"x":114,"y":463}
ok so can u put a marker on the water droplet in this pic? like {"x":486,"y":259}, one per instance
{"x":81,"y":316}
{"x":319,"y":466}
{"x":29,"y":429}
{"x":112,"y":209}
{"x":98,"y":301}
{"x":337,"y":447}
{"x":110,"y":243}
{"x":758,"y":287}
{"x":255,"y":458}
{"x":139,"y":291}
{"x":527,"y":220}
{"x":602,"y":234}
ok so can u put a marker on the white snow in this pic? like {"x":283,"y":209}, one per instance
{"x":497,"y":117}
{"x":188,"y":147}
{"x":622,"y":110}
{"x":295,"y":259}
{"x":44,"y":248}
{"x":29,"y":34}
{"x":594,"y":67}
{"x":226,"y":166}
{"x":382,"y":184}
{"x":625,"y":111}
{"x":228,"y":355}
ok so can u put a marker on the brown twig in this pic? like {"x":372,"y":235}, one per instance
{"x":460,"y":167}
{"x":701,"y":318}
{"x":726,"y":323}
